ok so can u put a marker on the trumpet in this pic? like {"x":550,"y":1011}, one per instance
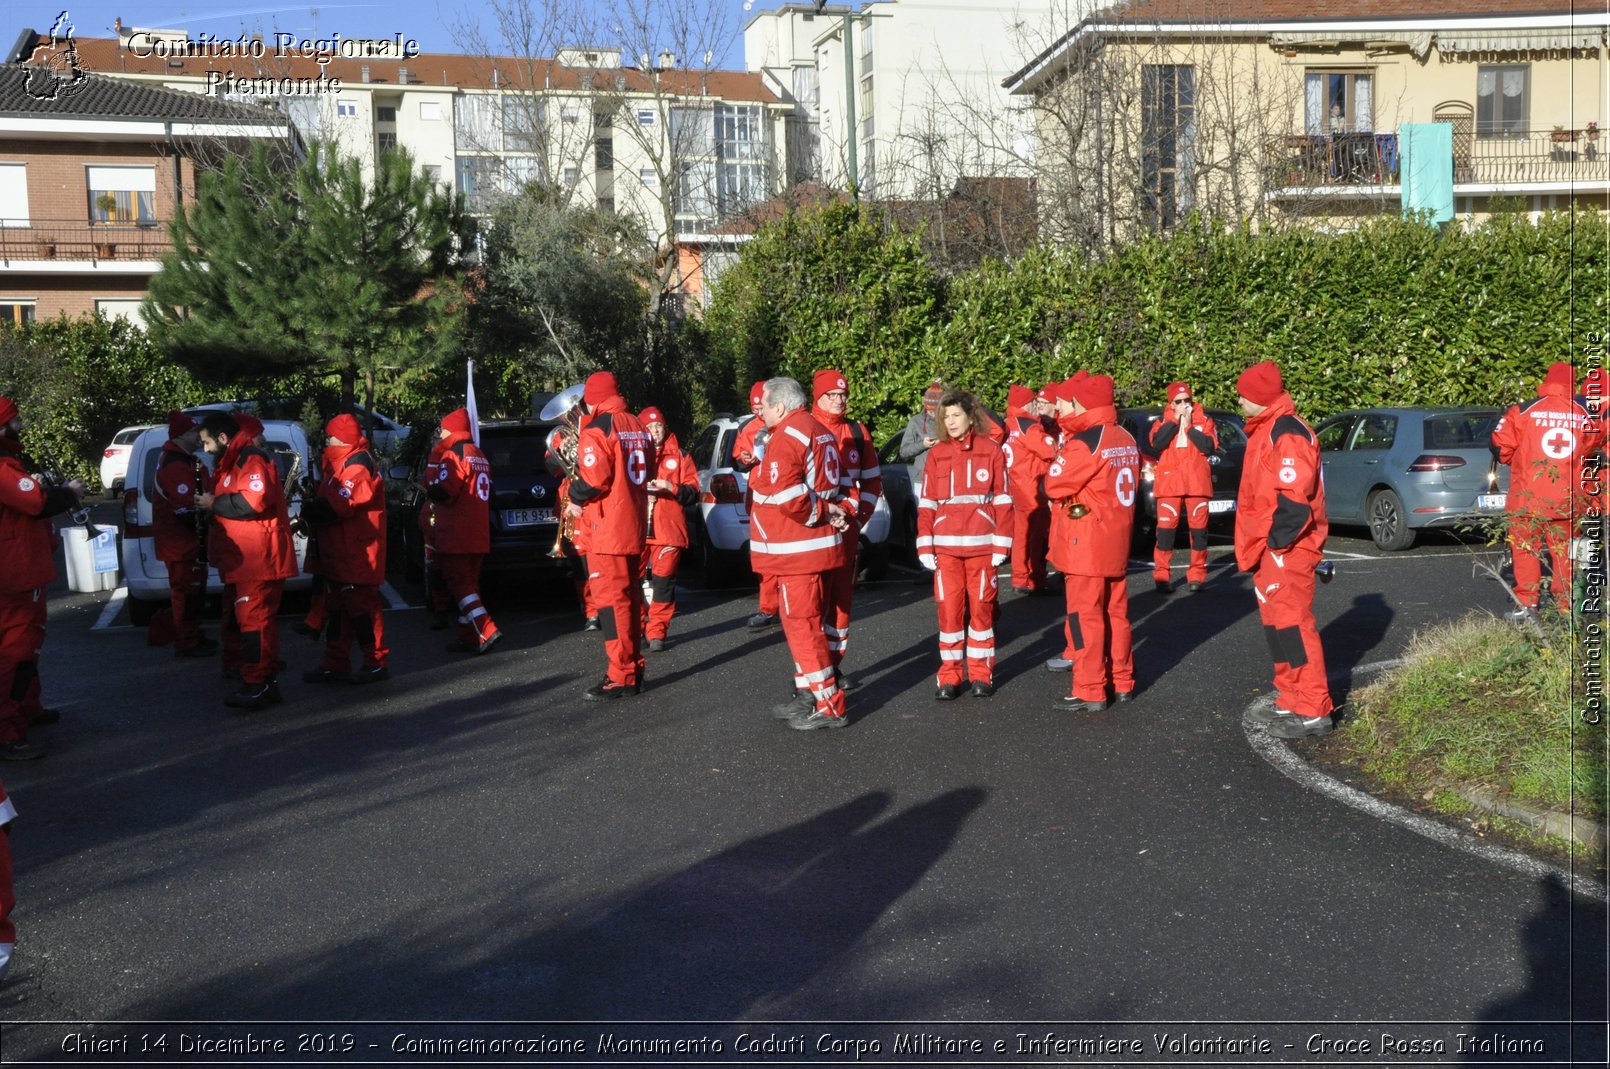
{"x":299,"y":489}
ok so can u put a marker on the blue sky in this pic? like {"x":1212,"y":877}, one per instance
{"x":430,"y":22}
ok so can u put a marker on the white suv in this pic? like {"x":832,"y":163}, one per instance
{"x":147,"y":577}
{"x":718,"y":525}
{"x":115,"y":459}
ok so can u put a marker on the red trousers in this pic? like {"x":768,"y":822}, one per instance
{"x":803,"y":601}
{"x":1530,"y":537}
{"x":659,"y":571}
{"x":1170,"y":511}
{"x":965,"y":590}
{"x":1031,"y":541}
{"x":22,"y":636}
{"x":1098,"y":635}
{"x":1284,"y":585}
{"x":187,"y":596}
{"x":251,"y":636}
{"x":615,"y":581}
{"x":461,"y":575}
{"x":768,"y":595}
{"x":838,"y":587}
{"x":352,"y":613}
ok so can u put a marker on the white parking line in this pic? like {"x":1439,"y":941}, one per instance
{"x":109,"y":611}
{"x":1277,"y":753}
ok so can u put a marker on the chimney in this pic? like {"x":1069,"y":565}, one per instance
{"x":402,"y":75}
{"x":363,"y":72}
{"x":667,"y":59}
{"x":497,"y":78}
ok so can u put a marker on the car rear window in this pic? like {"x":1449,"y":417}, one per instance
{"x":124,"y":437}
{"x":516,"y":450}
{"x":1460,"y":430}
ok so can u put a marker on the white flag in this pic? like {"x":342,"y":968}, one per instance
{"x":469,"y":402}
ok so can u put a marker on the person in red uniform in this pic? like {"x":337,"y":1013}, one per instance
{"x":1025,"y":479}
{"x":250,"y":545}
{"x":748,"y":447}
{"x":178,"y":534}
{"x":1184,"y":438}
{"x":675,"y":486}
{"x":349,"y":513}
{"x":1057,"y":399}
{"x":861,"y":482}
{"x":1546,"y":442}
{"x":609,"y":499}
{"x":8,"y":899}
{"x":458,"y":527}
{"x":1280,"y":531}
{"x":800,"y":532}
{"x":27,"y":568}
{"x":964,"y":534}
{"x":1093,"y":485}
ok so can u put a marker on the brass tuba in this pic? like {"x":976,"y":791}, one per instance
{"x":563,"y":408}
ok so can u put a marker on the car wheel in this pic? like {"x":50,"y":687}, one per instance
{"x":720,"y":568}
{"x":1389,"y":524}
{"x":140,"y":611}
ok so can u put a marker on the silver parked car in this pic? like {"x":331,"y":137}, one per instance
{"x":1398,"y":470}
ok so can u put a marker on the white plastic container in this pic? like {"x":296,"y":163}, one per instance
{"x":92,"y":564}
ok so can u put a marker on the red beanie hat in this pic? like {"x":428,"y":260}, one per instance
{"x":1178,"y":390}
{"x":757,"y":393}
{"x":600,"y":388}
{"x":457,"y":421}
{"x":1558,"y":380}
{"x":650,"y":415}
{"x":344,"y":428}
{"x":8,"y":410}
{"x":250,"y":426}
{"x":1093,"y":391}
{"x":826,"y":381}
{"x":1260,"y":383}
{"x":178,"y":423}
{"x":1018,"y":396}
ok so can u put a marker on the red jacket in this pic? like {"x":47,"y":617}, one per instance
{"x":349,"y":510}
{"x":1545,"y":442}
{"x":458,"y":491}
{"x":614,"y":455}
{"x":669,"y":523}
{"x":789,"y":532}
{"x":1281,"y":503}
{"x":860,"y":477}
{"x":1098,"y":467}
{"x":26,"y":506}
{"x":751,"y":440}
{"x":964,"y":509}
{"x":251,"y":536}
{"x":1025,"y":467}
{"x":181,"y":475}
{"x":1183,"y":468}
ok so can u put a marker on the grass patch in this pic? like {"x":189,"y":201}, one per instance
{"x":1481,"y":703}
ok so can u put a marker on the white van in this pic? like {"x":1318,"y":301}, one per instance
{"x":147,"y":577}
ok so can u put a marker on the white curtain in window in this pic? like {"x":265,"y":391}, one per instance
{"x":1514,"y":83}
{"x":1314,"y":104}
{"x":1363,"y":109}
{"x":1486,"y":83}
{"x":133,"y":179}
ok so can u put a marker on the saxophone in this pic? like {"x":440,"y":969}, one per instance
{"x":562,"y":443}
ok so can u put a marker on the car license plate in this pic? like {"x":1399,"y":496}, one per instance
{"x":1491,"y":501}
{"x":1226,"y":505}
{"x":526,"y":517}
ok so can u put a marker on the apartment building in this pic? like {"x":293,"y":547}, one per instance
{"x":91,"y":169}
{"x":676,"y":149}
{"x":1275,"y":110}
{"x":902,"y":99}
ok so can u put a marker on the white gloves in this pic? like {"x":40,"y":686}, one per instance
{"x":997,"y":560}
{"x":927,"y":561}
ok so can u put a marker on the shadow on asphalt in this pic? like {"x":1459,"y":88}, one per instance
{"x":1351,"y":637}
{"x":729,"y":937}
{"x":1564,"y":946}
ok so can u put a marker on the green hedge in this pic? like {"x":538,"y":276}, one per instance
{"x":1393,"y":313}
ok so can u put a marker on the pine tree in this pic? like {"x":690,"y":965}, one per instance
{"x":312,"y":270}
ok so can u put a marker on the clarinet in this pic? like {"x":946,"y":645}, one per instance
{"x":200,"y":514}
{"x":52,"y":481}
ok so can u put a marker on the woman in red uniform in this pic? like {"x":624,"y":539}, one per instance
{"x":964,"y":533}
{"x":674,"y":487}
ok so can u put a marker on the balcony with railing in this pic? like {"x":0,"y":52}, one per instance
{"x":75,"y":244}
{"x":1304,"y":163}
